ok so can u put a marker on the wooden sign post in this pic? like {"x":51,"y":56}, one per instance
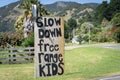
{"x":49,"y":46}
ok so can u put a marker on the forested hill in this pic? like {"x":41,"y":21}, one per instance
{"x":70,"y":9}
{"x":60,"y":6}
{"x":9,"y":13}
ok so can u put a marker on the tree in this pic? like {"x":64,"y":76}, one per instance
{"x":116,"y":19}
{"x":80,"y":39}
{"x":104,"y":22}
{"x":26,"y":6}
{"x":100,"y":11}
{"x":85,"y":29}
{"x":66,"y":29}
{"x":29,"y":42}
{"x":112,"y":9}
{"x":19,"y":24}
{"x":72,"y":24}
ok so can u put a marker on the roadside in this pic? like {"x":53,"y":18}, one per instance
{"x":115,"y":77}
{"x":101,"y":45}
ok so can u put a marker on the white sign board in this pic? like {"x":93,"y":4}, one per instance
{"x":49,"y":46}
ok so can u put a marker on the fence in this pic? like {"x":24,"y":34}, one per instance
{"x":16,"y":55}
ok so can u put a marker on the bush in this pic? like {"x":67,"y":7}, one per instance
{"x":29,"y":42}
{"x":8,"y":39}
{"x":116,"y":35}
{"x":67,"y":40}
{"x":80,"y":39}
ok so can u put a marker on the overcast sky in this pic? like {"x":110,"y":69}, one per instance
{"x":5,"y":2}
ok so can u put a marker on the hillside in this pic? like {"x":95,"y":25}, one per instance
{"x":70,"y":9}
{"x":9,"y":13}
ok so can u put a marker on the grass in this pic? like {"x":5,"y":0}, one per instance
{"x":80,"y":64}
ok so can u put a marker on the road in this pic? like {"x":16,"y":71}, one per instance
{"x":116,"y":77}
{"x":112,"y":46}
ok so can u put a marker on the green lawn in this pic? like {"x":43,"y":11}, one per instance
{"x":81,"y":63}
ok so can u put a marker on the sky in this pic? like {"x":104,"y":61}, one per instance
{"x":6,"y":2}
{"x":79,"y":1}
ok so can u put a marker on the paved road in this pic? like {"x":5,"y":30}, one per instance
{"x":112,"y":46}
{"x":116,"y":77}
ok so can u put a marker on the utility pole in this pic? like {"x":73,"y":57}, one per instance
{"x":34,"y":11}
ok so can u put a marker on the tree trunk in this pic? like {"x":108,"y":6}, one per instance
{"x":74,"y":32}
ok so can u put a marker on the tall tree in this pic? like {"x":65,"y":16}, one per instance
{"x":72,"y":24}
{"x":112,"y":9}
{"x":100,"y":11}
{"x":66,"y":29}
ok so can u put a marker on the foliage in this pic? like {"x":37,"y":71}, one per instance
{"x":104,"y":22}
{"x":116,"y":35}
{"x":89,"y":17}
{"x":112,"y":9}
{"x":19,"y":24}
{"x":67,"y":30}
{"x":116,"y":19}
{"x":71,"y":9}
{"x":85,"y":27}
{"x":14,"y":9}
{"x":102,"y":37}
{"x":80,"y":39}
{"x":100,"y":11}
{"x":8,"y":39}
{"x":107,"y":10}
{"x":86,"y":31}
{"x":55,"y":7}
{"x":29,"y":41}
{"x":26,"y":5}
{"x":72,"y":24}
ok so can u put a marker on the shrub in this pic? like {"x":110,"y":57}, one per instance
{"x":80,"y":39}
{"x":29,"y":42}
{"x":116,"y":35}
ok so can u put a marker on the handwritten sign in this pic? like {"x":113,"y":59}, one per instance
{"x":49,"y":46}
